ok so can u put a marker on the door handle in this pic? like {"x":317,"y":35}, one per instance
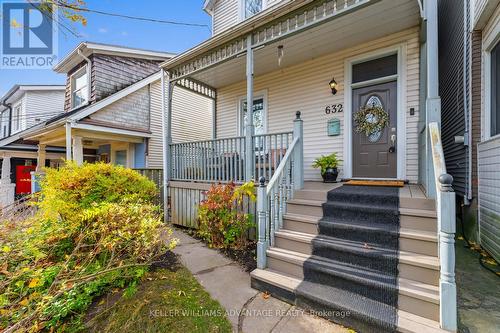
{"x":392,"y":148}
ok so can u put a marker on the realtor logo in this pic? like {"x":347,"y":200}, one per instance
{"x":29,"y":36}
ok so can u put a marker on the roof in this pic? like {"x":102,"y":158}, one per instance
{"x":27,"y":87}
{"x":81,"y":113}
{"x":88,"y":48}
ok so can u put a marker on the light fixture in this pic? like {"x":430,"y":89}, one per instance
{"x":281,"y":53}
{"x":333,"y":85}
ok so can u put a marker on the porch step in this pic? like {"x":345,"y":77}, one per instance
{"x":416,"y":297}
{"x":307,"y":207}
{"x":280,"y":284}
{"x":415,"y":266}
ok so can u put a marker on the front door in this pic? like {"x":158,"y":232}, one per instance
{"x":375,"y":155}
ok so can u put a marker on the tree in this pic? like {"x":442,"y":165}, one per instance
{"x":70,"y":9}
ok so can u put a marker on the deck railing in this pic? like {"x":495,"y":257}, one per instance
{"x":445,"y":203}
{"x":272,"y":198}
{"x":224,"y":160}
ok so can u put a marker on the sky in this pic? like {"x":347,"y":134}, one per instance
{"x":124,"y":32}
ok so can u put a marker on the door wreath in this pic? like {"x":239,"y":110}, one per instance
{"x":371,"y":119}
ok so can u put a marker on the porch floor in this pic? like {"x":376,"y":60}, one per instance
{"x":409,"y":191}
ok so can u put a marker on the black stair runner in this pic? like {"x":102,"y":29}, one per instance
{"x":351,"y":278}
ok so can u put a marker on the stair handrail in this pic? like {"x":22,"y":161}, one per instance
{"x":272,"y":199}
{"x":445,"y":206}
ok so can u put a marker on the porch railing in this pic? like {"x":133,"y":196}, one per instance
{"x":272,"y":198}
{"x":445,"y":203}
{"x":219,"y":160}
{"x":223,"y":160}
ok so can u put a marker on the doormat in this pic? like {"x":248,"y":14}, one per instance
{"x":388,"y":183}
{"x":354,"y":264}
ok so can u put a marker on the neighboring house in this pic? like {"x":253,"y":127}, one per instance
{"x":113,"y":109}
{"x":23,"y":107}
{"x":328,"y":60}
{"x":470,"y":85}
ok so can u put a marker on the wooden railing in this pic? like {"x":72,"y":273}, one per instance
{"x":18,"y":211}
{"x":156,"y":176}
{"x":445,"y":203}
{"x":272,"y":198}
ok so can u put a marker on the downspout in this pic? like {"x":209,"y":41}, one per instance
{"x":467,"y":86}
{"x":89,"y":68}
{"x":8,"y":106}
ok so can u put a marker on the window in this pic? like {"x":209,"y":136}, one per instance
{"x":495,"y":91}
{"x":374,"y":69}
{"x":16,"y":118}
{"x":251,"y":7}
{"x":79,"y":88}
{"x":258,"y":116}
{"x":121,"y":157}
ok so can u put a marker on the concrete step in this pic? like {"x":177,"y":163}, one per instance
{"x":420,"y":267}
{"x":418,"y":304}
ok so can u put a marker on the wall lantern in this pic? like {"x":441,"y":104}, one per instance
{"x":333,"y":85}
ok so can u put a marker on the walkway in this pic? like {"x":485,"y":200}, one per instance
{"x":248,"y":309}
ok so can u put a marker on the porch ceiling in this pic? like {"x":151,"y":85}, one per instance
{"x":374,"y":21}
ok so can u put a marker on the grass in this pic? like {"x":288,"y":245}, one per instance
{"x":166,"y":301}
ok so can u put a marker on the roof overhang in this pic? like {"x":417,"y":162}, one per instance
{"x":208,"y":6}
{"x":88,"y":48}
{"x":18,"y":89}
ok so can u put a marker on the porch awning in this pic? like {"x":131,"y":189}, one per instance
{"x":305,"y":29}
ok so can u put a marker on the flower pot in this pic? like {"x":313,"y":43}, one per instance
{"x":330,"y":175}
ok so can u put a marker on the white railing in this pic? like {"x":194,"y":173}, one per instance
{"x":272,"y":199}
{"x":445,"y":203}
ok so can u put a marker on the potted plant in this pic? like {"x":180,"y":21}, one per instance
{"x":328,"y":165}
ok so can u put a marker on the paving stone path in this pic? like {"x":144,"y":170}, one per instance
{"x":248,"y":309}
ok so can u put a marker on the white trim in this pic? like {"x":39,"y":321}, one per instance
{"x":110,"y":130}
{"x":400,"y":50}
{"x":239,"y":117}
{"x":87,"y":85}
{"x":489,"y":42}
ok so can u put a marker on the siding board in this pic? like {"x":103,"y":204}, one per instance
{"x":489,"y":196}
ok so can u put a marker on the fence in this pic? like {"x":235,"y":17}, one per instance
{"x":156,"y":176}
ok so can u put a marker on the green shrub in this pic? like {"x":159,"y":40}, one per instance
{"x":221,"y":222}
{"x":95,"y":229}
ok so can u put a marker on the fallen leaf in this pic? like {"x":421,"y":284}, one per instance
{"x":182,"y":293}
{"x":24,"y":302}
{"x":266,"y":295}
{"x":35,"y":282}
{"x":460,"y":238}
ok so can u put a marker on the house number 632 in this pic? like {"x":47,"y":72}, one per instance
{"x":334,"y":108}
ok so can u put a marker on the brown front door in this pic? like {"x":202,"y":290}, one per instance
{"x":373,"y":156}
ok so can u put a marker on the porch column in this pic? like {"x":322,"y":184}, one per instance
{"x":5,"y":170}
{"x":40,"y":159}
{"x":167,"y":90}
{"x":78,"y":150}
{"x":69,"y":155}
{"x":7,"y":189}
{"x":433,"y":101}
{"x":298,"y":158}
{"x":249,"y":128}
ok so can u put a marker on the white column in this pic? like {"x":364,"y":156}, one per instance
{"x":69,"y":156}
{"x":298,"y":159}
{"x":167,"y":90}
{"x":5,"y":170}
{"x":433,"y":101}
{"x":249,"y":128}
{"x":41,"y":157}
{"x":78,"y":150}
